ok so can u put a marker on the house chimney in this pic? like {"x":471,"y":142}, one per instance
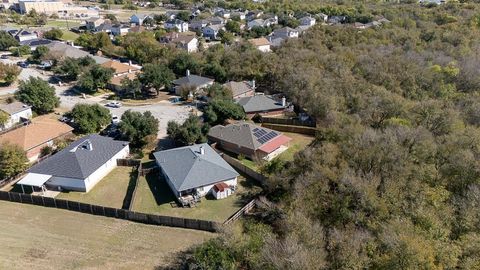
{"x":188,"y":72}
{"x":253,"y":84}
{"x":284,"y":102}
{"x":129,"y":62}
{"x":202,"y":150}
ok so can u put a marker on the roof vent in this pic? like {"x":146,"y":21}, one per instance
{"x":86,"y":145}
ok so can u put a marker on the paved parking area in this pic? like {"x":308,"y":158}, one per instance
{"x":164,"y":111}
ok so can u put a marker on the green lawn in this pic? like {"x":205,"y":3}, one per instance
{"x":297,"y":144}
{"x":35,"y":237}
{"x":69,"y":35}
{"x":62,"y":23}
{"x":110,"y":191}
{"x":154,"y":196}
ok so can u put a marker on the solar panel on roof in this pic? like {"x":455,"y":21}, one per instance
{"x":255,"y":129}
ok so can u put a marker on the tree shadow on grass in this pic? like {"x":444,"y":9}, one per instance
{"x":160,"y":189}
{"x":130,"y":189}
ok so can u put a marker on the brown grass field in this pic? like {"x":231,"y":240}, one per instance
{"x":34,"y":237}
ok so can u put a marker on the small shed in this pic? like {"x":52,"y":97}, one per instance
{"x":221,"y":191}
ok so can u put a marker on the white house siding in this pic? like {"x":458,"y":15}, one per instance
{"x":207,"y":189}
{"x":15,"y":118}
{"x":85,"y":185}
{"x":192,"y":46}
{"x":264,"y":48}
{"x":66,"y":183}
{"x":105,"y":169}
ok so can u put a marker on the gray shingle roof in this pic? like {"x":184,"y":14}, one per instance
{"x":242,"y":134}
{"x":187,"y":168}
{"x":14,"y":107}
{"x":194,"y":80}
{"x":238,"y":88}
{"x":76,"y":161}
{"x":259,"y":103}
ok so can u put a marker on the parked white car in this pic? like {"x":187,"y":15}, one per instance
{"x":114,"y":104}
{"x":115,"y":119}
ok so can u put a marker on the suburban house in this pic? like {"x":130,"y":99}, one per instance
{"x":262,"y":44}
{"x":241,"y":89}
{"x":336,"y":19}
{"x":80,"y":166}
{"x":256,"y":23}
{"x":216,"y":20}
{"x":308,"y":21}
{"x":92,"y":23}
{"x":34,"y":43}
{"x":40,"y":133}
{"x":121,"y":71}
{"x":253,"y":14}
{"x":285,"y":32}
{"x":249,"y":140}
{"x":262,"y":105}
{"x":138,"y":18}
{"x":119,"y":29}
{"x":223,"y":13}
{"x":23,"y":35}
{"x":193,"y":171}
{"x":17,"y":112}
{"x":198,"y":25}
{"x":120,"y":68}
{"x":105,"y":27}
{"x":187,"y":42}
{"x":239,"y":14}
{"x":211,"y":31}
{"x":59,"y":50}
{"x":322,"y":17}
{"x":180,"y":25}
{"x":195,"y":81}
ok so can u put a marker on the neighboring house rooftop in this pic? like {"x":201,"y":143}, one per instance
{"x":41,"y":130}
{"x":119,"y":67}
{"x":141,"y":16}
{"x":259,"y":41}
{"x":118,"y":80}
{"x":81,"y":158}
{"x":194,"y":80}
{"x":35,"y":42}
{"x":244,"y":135}
{"x":239,"y":88}
{"x":259,"y":103}
{"x":14,"y":107}
{"x":187,"y":168}
{"x":174,"y":21}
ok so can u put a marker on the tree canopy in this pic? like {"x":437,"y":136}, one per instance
{"x":138,"y":128}
{"x":38,"y":94}
{"x":7,"y":41}
{"x":90,"y":118}
{"x":13,"y":160}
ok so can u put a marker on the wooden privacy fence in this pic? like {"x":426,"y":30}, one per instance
{"x":244,"y":210}
{"x":286,"y":121}
{"x":128,"y":162}
{"x":134,"y":191}
{"x":294,"y":129}
{"x":195,"y":224}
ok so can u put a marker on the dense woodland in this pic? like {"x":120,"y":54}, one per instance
{"x":393,"y":178}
